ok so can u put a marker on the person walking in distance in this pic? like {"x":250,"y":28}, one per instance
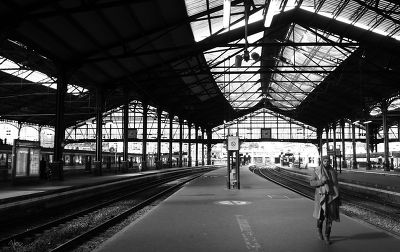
{"x":327,"y":200}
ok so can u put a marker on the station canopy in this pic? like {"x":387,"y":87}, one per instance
{"x":315,"y":61}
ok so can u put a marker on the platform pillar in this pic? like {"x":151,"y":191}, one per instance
{"x":189,"y":144}
{"x":144,"y":142}
{"x":196,"y":132}
{"x":171,"y":118}
{"x":353,"y":138}
{"x":99,"y":131}
{"x":334,"y":145}
{"x":209,"y":138}
{"x":398,"y":130}
{"x":367,"y":140}
{"x":344,"y":163}
{"x":125,"y":165}
{"x":386,"y":164}
{"x":319,"y":137}
{"x":59,"y":134}
{"x":327,"y":139}
{"x":159,"y":161}
{"x":202,"y":146}
{"x":180,"y":141}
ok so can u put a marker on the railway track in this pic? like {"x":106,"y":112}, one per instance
{"x":375,"y":210}
{"x":121,"y":207}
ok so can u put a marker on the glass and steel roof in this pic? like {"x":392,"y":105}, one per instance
{"x":298,"y":69}
{"x":301,"y":68}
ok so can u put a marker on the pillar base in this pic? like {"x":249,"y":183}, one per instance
{"x":56,"y":171}
{"x":354,"y":165}
{"x":125,"y":166}
{"x":97,"y":168}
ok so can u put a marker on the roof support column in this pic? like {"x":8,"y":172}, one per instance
{"x":398,"y":130}
{"x":99,"y":131}
{"x":319,"y":137}
{"x":159,"y":162}
{"x":180,"y":141}
{"x":196,"y":132}
{"x":334,"y":145}
{"x":189,"y":144}
{"x":368,"y":165}
{"x":202,"y":146}
{"x":171,"y":118}
{"x":126,"y":123}
{"x":39,"y":133}
{"x":353,"y":139}
{"x":20,"y":127}
{"x":343,"y":145}
{"x":209,"y":138}
{"x":57,"y":166}
{"x":327,"y":139}
{"x":384,"y":107}
{"x":144,"y":142}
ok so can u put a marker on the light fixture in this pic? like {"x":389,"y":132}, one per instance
{"x":238,"y":60}
{"x":366,"y":122}
{"x":273,"y":9}
{"x":227,"y":14}
{"x":255,"y":56}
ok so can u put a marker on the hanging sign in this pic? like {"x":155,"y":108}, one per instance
{"x":233,"y":143}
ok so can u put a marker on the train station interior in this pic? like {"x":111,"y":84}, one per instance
{"x":114,"y":87}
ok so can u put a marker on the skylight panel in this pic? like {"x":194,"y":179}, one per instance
{"x":295,"y":85}
{"x":240,"y":85}
{"x":36,"y":77}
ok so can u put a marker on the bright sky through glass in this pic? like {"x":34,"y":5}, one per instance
{"x":35,"y":77}
{"x":286,"y":93}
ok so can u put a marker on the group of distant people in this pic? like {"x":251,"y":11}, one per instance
{"x":246,"y":159}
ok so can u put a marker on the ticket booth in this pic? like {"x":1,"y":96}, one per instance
{"x":25,"y":162}
{"x":233,"y":176}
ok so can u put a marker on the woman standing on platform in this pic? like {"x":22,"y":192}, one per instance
{"x":327,"y":200}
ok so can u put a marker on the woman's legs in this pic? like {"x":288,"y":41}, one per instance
{"x":328,"y":228}
{"x":320,"y":221}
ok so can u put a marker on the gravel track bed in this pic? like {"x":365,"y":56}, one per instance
{"x":99,"y":239}
{"x":386,"y":224}
{"x":58,"y":235}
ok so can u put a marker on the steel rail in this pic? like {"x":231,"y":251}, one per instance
{"x":41,"y":228}
{"x":109,"y":223}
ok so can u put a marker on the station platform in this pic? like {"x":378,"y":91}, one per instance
{"x":262,"y":216}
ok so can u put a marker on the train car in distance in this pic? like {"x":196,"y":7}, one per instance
{"x":74,"y":161}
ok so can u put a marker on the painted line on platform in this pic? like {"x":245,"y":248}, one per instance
{"x":247,"y":234}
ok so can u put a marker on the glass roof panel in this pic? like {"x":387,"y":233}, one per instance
{"x":35,"y":77}
{"x":295,"y":80}
{"x":240,"y":85}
